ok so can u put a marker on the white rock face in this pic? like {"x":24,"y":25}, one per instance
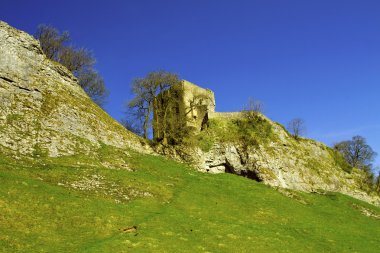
{"x":43,"y":110}
{"x":304,"y":165}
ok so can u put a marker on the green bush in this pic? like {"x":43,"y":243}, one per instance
{"x":205,"y":142}
{"x":39,"y":152}
{"x":248,"y":131}
{"x":13,"y":117}
{"x":254,"y":130}
{"x":339,"y":160}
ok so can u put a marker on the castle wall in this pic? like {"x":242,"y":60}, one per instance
{"x":224,"y":115}
{"x":190,"y":108}
{"x":197,"y":102}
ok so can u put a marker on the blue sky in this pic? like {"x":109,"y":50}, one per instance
{"x":318,"y":60}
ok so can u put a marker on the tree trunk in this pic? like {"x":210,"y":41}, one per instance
{"x":146,"y":121}
{"x":165,"y":125}
{"x":156,"y":125}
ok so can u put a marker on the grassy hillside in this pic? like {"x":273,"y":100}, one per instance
{"x":81,"y":204}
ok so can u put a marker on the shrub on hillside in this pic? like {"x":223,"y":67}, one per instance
{"x":79,"y":61}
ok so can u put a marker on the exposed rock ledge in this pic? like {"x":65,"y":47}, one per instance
{"x":43,"y":110}
{"x":304,"y":165}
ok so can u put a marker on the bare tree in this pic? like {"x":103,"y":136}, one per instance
{"x":93,"y":84}
{"x":254,"y":105}
{"x":76,"y":60}
{"x":356,"y":152}
{"x":146,"y":91}
{"x":79,"y":61}
{"x":51,"y":40}
{"x":252,"y":109}
{"x":297,"y":127}
{"x":132,"y":125}
{"x":141,"y":105}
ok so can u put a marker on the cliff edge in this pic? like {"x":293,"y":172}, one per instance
{"x":43,"y":110}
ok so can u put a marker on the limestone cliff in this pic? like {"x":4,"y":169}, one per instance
{"x":264,"y":151}
{"x":43,"y":110}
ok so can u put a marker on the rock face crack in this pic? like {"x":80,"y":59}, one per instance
{"x":25,"y":89}
{"x":18,"y":86}
{"x":7,"y":79}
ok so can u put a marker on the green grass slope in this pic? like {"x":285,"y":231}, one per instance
{"x":97,"y":204}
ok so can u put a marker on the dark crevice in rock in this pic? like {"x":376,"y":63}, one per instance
{"x":27,"y":89}
{"x":213,"y":166}
{"x":244,"y":173}
{"x":23,"y":88}
{"x":251,"y":175}
{"x":14,"y":84}
{"x":205,"y":122}
{"x":7,"y":79}
{"x":33,"y":47}
{"x":243,"y":157}
{"x":229,"y":168}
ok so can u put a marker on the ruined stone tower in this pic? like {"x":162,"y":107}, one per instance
{"x":186,"y":105}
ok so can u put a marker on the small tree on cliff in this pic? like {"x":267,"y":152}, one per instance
{"x":93,"y":84}
{"x":146,"y":91}
{"x":360,"y":155}
{"x":297,"y":127}
{"x":356,"y":152}
{"x":132,"y":125}
{"x":252,"y":109}
{"x":52,"y":41}
{"x":79,"y":61}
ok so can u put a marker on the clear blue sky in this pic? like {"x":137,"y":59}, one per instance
{"x":318,"y":60}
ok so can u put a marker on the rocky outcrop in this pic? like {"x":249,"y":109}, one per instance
{"x":277,"y":159}
{"x":282,"y":170}
{"x":43,"y":110}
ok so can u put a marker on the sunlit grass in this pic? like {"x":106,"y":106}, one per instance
{"x":76,"y":204}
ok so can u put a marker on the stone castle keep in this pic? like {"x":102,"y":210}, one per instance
{"x":186,"y":103}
